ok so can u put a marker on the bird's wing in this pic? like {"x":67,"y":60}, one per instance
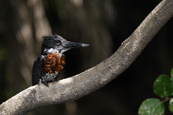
{"x":37,"y":70}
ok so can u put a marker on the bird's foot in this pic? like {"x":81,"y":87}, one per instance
{"x":44,"y":82}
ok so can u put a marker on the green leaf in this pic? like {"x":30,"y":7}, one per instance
{"x":172,"y":72}
{"x":151,"y":106}
{"x":171,"y":79}
{"x":171,"y":105}
{"x":163,"y":86}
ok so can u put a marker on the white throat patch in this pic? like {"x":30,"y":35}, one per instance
{"x":51,"y":50}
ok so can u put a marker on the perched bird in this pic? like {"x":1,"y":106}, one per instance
{"x":49,"y":65}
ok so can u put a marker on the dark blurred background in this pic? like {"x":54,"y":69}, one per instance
{"x":104,"y":24}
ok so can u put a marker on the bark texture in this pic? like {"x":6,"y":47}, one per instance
{"x":96,"y":77}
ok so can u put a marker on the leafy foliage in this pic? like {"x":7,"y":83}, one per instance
{"x":163,"y":87}
{"x":171,"y":105}
{"x":152,"y":107}
{"x":172,"y":73}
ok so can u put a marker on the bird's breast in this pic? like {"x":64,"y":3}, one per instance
{"x":54,"y":63}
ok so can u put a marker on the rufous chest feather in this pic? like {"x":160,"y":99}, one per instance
{"x":54,"y":63}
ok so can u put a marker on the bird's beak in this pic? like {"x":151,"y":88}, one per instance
{"x":70,"y":45}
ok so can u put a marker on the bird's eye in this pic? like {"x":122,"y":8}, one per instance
{"x":58,"y":42}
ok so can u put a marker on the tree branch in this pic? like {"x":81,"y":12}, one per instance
{"x":96,"y":77}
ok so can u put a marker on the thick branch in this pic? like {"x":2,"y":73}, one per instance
{"x":92,"y":79}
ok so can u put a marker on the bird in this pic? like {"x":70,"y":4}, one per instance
{"x":48,"y":66}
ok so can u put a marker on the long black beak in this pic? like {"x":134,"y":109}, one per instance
{"x":70,"y":45}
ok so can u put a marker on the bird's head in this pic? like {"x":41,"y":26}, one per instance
{"x":57,"y":43}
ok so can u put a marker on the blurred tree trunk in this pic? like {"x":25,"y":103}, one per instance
{"x":26,"y":24}
{"x":86,"y":21}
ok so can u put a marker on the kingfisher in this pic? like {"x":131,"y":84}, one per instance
{"x":48,"y":66}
